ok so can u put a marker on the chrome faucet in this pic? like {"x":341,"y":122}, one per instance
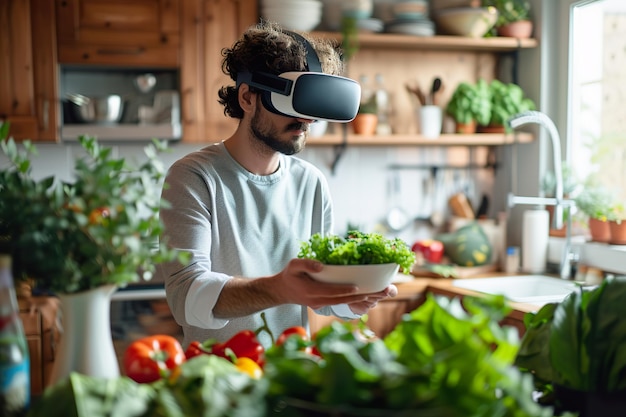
{"x":558,"y":201}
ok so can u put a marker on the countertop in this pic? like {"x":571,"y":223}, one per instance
{"x":413,"y":286}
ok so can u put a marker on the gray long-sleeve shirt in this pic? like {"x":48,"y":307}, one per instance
{"x":235,"y":223}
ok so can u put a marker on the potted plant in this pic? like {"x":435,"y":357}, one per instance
{"x":596,"y":204}
{"x":367,"y":117}
{"x":470,"y":105}
{"x":507,"y":99}
{"x":513,"y":17}
{"x":82,"y":239}
{"x":617,"y":224}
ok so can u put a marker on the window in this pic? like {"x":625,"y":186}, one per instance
{"x":597,"y":91}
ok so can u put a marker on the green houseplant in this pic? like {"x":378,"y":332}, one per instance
{"x":513,"y":17}
{"x":507,"y":99}
{"x":83,"y":239}
{"x":596,"y":203}
{"x":102,"y":228}
{"x":470,"y":104}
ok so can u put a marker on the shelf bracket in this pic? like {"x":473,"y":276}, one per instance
{"x":341,"y":148}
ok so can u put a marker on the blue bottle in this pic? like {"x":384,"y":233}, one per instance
{"x":14,"y":358}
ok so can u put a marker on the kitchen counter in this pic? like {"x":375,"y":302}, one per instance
{"x":411,"y":294}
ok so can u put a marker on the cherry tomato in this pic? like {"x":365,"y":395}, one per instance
{"x":295,"y":330}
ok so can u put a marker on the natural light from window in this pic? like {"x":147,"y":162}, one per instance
{"x":597,"y":122}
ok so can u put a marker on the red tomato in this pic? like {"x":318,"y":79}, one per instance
{"x":147,"y":359}
{"x":432,"y":250}
{"x":295,"y":330}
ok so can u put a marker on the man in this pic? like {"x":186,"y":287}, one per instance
{"x":242,"y":207}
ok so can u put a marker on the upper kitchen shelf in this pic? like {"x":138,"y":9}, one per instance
{"x":440,"y":43}
{"x":446,"y":139}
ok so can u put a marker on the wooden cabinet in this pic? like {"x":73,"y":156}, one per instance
{"x":127,"y":33}
{"x":208,"y":26}
{"x":381,"y":319}
{"x":38,"y":316}
{"x":28,"y":73}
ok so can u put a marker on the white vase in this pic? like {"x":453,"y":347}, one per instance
{"x":86,"y":345}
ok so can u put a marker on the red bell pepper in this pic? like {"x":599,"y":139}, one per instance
{"x":149,"y":358}
{"x":242,"y":344}
{"x":431,"y":250}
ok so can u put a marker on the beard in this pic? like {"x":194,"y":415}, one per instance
{"x":270,"y":135}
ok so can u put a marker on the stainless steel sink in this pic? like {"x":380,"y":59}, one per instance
{"x":532,"y":289}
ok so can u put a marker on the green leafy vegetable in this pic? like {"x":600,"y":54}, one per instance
{"x":443,"y":359}
{"x":586,"y":339}
{"x":205,"y":385}
{"x":358,"y":248}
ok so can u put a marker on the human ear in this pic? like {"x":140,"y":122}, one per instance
{"x":247,"y":99}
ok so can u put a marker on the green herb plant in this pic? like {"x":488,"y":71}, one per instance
{"x":595,"y":202}
{"x":358,"y":248}
{"x":470,"y":102}
{"x":507,"y":99}
{"x":101,"y":228}
{"x":509,"y":11}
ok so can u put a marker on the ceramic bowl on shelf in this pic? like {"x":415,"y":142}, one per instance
{"x":415,"y":27}
{"x":473,"y":22}
{"x":300,"y":15}
{"x":410,"y":9}
{"x":369,"y":278}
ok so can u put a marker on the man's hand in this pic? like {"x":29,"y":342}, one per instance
{"x":371,"y":300}
{"x":298,"y":287}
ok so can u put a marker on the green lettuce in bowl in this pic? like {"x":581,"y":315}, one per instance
{"x":368,"y":260}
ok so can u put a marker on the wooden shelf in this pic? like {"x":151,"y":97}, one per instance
{"x":440,"y":43}
{"x":478,"y":139}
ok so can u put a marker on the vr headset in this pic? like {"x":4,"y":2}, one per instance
{"x":308,"y":94}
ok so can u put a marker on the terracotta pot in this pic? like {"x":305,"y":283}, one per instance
{"x":618,"y":232}
{"x":562,"y":232}
{"x":521,"y":29}
{"x":467,"y":128}
{"x":364,"y":124}
{"x":491,"y":129}
{"x":600,"y":230}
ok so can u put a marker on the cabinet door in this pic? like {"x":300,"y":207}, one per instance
{"x":119,"y":32}
{"x":28,"y":86}
{"x":208,"y":26}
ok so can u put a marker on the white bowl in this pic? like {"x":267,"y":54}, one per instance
{"x":293,"y":4}
{"x":473,"y":22}
{"x":369,"y":278}
{"x":299,"y":24}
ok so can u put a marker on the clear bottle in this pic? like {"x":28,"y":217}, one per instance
{"x":14,"y":358}
{"x":383,"y":103}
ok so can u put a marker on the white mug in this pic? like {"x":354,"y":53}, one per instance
{"x":430,"y":121}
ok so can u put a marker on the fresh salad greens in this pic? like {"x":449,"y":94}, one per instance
{"x":358,"y":248}
{"x":443,"y":359}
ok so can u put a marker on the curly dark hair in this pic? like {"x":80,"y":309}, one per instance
{"x":266,"y":47}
